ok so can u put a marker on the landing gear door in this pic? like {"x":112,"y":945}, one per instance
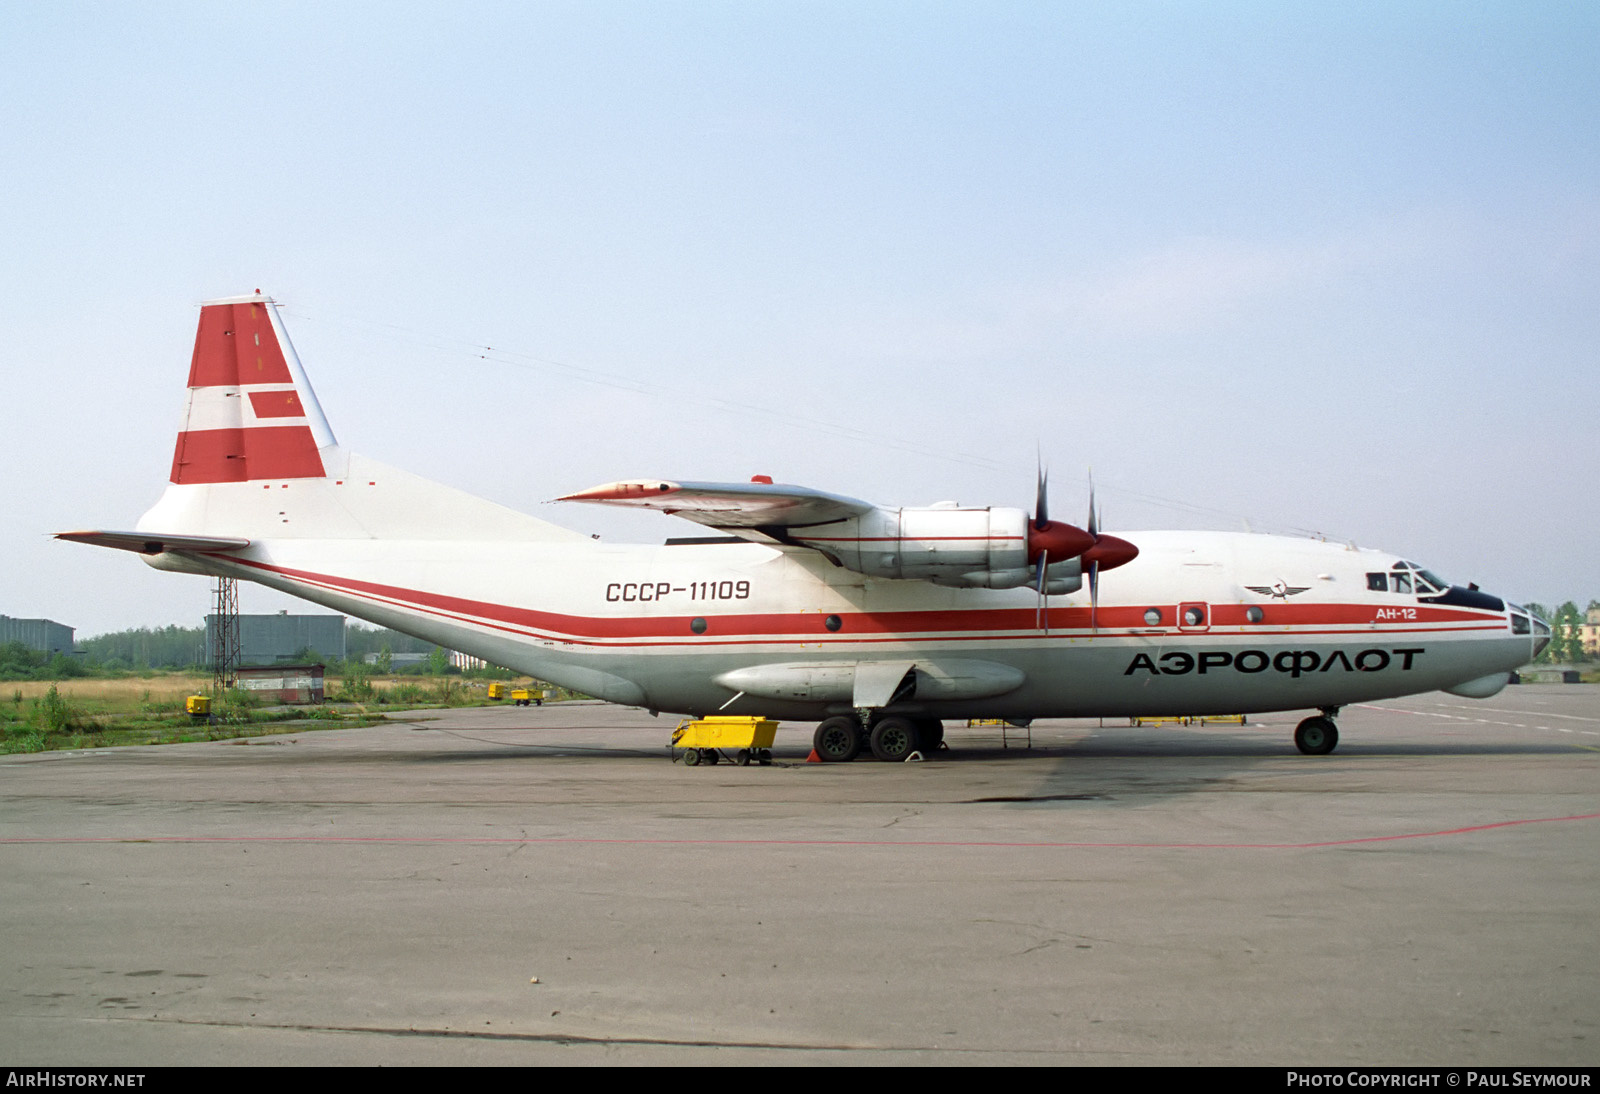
{"x":878,"y":683}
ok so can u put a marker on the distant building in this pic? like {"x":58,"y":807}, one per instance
{"x":272,"y":639}
{"x":285,"y":683}
{"x":44,"y":635}
{"x":1589,"y":633}
{"x":462,"y":661}
{"x":398,"y":660}
{"x":466,"y":662}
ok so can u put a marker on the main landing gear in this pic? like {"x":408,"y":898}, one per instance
{"x":892,"y":739}
{"x":837,"y":740}
{"x":1317,"y":735}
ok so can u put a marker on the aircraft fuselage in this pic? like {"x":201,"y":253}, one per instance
{"x":657,"y":626}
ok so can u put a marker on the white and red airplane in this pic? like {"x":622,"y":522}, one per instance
{"x":877,"y":623}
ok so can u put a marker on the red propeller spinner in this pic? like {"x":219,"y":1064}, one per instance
{"x":1109,"y":552}
{"x":1057,"y":541}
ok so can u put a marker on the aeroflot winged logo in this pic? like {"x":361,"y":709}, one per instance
{"x":1278,"y":589}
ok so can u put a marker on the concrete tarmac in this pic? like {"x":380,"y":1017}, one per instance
{"x":1111,"y":895}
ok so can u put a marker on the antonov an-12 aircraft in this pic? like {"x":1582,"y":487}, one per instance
{"x":877,"y":623}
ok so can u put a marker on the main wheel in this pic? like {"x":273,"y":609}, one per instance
{"x":930,"y":734}
{"x":1316,"y":736}
{"x":837,"y":740}
{"x":893,"y":739}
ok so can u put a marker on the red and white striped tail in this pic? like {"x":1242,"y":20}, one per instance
{"x":251,"y":414}
{"x":256,"y":463}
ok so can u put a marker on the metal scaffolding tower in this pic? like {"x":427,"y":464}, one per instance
{"x":225,"y":636}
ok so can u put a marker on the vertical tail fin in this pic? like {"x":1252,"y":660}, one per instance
{"x":251,"y":412}
{"x":255,"y":459}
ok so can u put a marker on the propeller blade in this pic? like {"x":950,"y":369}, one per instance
{"x":1108,"y":553}
{"x":1049,"y":539}
{"x":1041,"y":612}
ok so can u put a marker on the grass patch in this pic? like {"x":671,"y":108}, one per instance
{"x":41,"y":716}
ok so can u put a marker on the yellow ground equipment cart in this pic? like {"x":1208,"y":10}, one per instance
{"x":701,"y":740}
{"x":523,"y":696}
{"x":497,"y":690}
{"x":198,"y":707}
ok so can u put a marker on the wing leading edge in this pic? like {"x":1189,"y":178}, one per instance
{"x":730,"y":505}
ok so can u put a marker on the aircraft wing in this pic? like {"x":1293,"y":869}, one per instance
{"x":153,"y":543}
{"x":730,"y":505}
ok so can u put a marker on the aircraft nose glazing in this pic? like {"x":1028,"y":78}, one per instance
{"x":1525,"y":622}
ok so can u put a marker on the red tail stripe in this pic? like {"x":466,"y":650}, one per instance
{"x":239,"y":455}
{"x":234,"y":345}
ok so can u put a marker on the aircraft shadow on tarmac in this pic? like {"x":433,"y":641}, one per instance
{"x":1159,"y":747}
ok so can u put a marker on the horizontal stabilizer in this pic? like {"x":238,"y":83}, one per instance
{"x":154,"y":543}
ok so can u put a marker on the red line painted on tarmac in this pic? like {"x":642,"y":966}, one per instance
{"x":581,"y":840}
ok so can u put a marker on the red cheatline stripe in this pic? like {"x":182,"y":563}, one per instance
{"x":235,"y":344}
{"x":902,"y":539}
{"x":693,"y":842}
{"x":892,"y":626}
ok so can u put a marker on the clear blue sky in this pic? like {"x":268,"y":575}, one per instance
{"x":1317,"y":267}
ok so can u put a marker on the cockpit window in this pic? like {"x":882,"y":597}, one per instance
{"x":1407,"y":577}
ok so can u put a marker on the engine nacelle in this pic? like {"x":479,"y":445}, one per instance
{"x":1059,"y":577}
{"x":965,"y":548}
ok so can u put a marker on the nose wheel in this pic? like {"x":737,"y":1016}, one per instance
{"x":1316,"y":736}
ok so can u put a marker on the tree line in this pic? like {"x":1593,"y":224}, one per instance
{"x":173,"y":648}
{"x":1566,"y":632}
